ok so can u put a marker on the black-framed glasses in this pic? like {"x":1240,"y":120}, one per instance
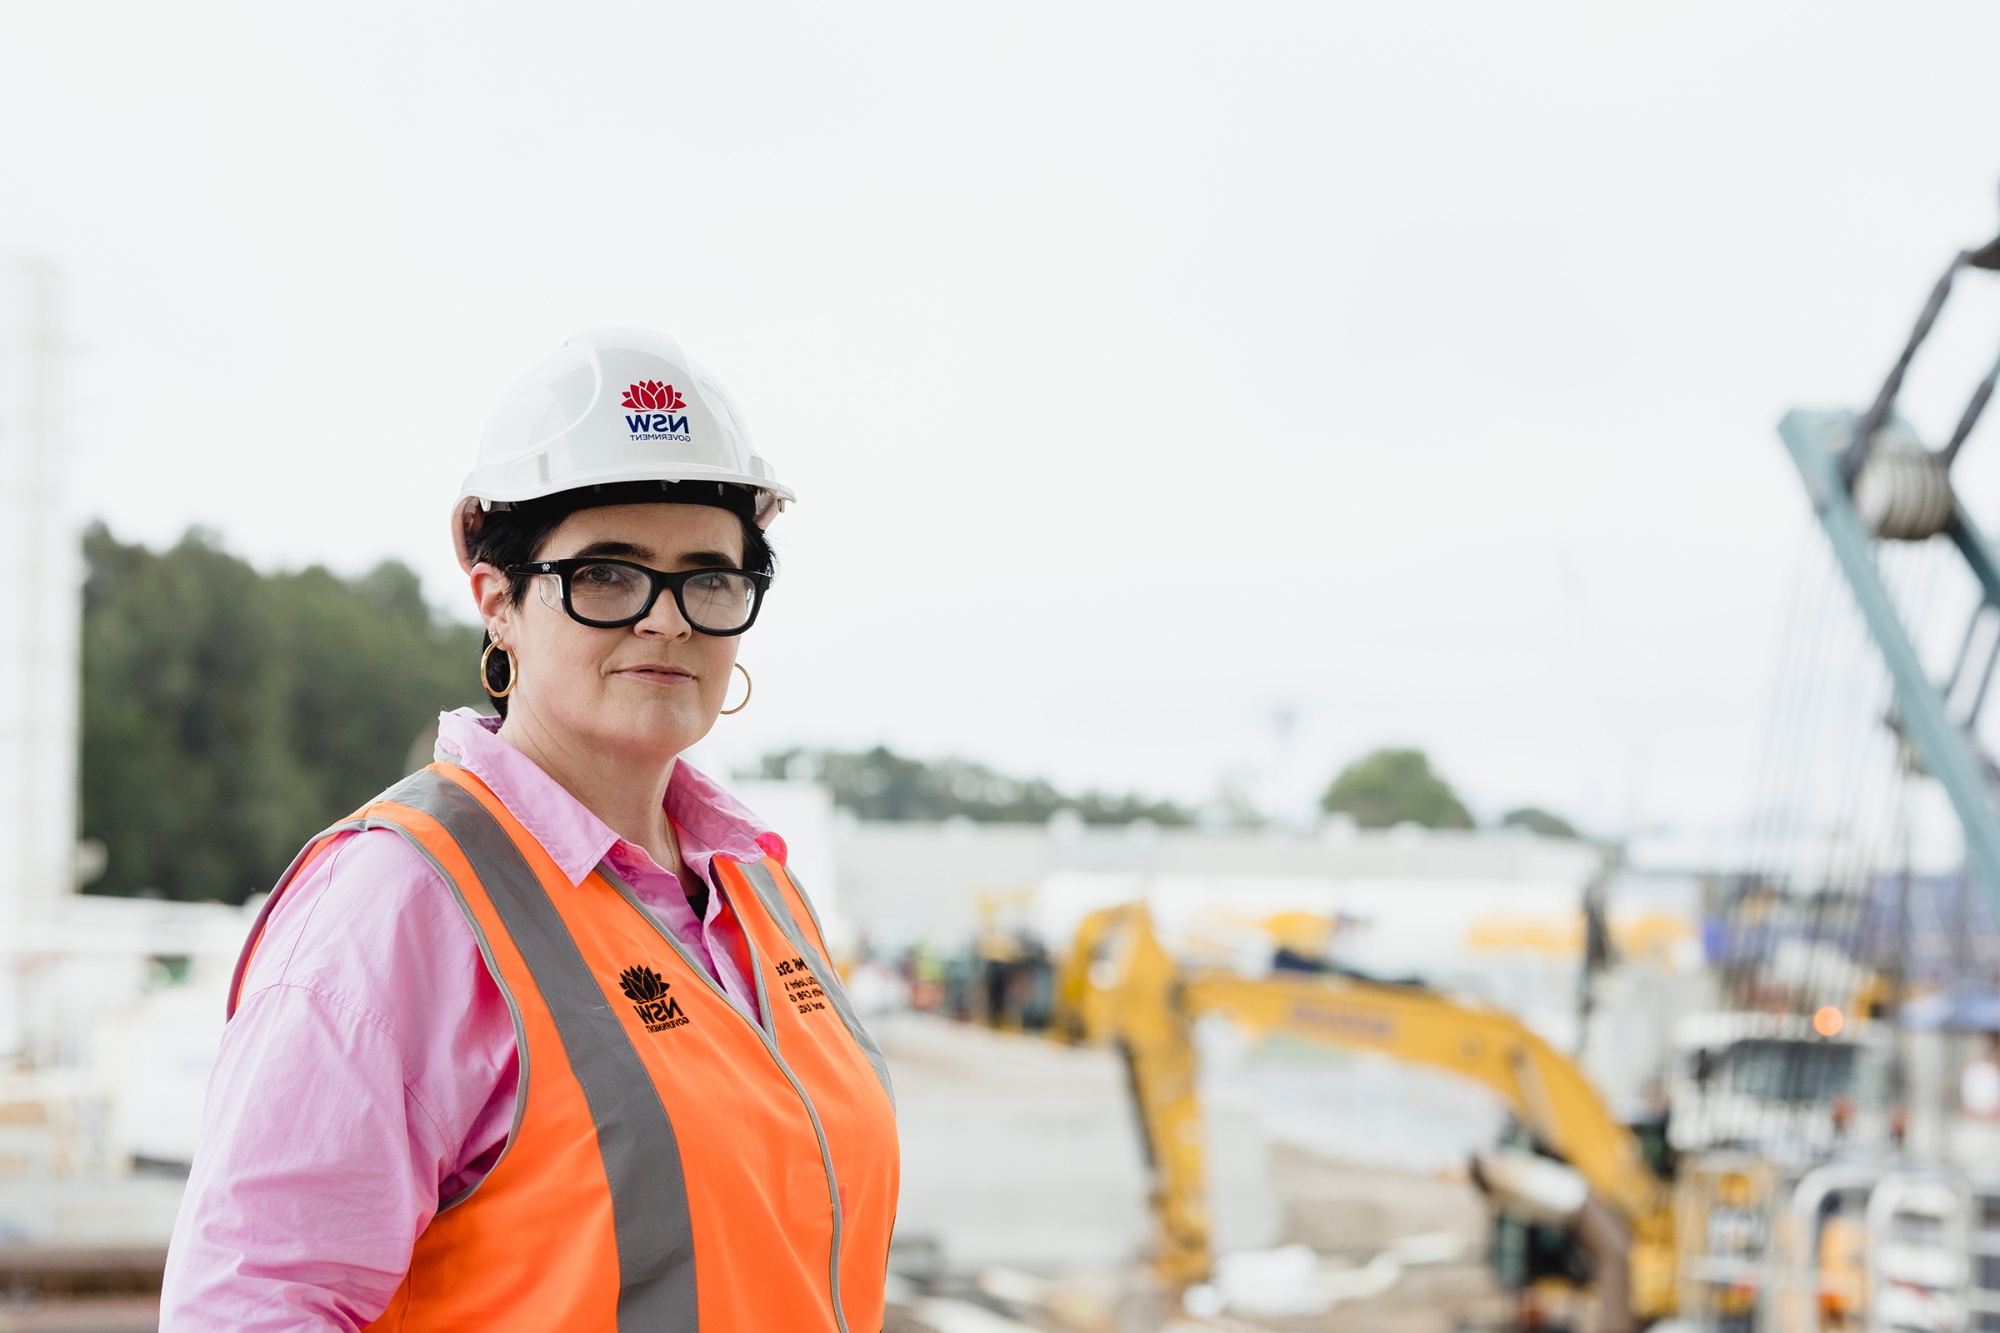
{"x":609,"y":594}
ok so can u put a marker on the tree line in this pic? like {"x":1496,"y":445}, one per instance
{"x":230,"y":714}
{"x":881,"y":784}
{"x":1379,"y":790}
{"x":1391,"y":786}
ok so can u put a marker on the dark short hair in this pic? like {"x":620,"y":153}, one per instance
{"x":515,"y":535}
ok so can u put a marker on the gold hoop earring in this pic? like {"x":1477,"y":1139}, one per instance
{"x":748,"y":690}
{"x":513,"y":672}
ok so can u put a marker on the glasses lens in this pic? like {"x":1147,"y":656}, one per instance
{"x":719,"y":602}
{"x":607,"y":592}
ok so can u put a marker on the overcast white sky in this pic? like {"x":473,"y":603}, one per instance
{"x":1143,"y":370}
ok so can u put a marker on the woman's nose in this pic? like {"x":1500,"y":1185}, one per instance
{"x":665,"y":619}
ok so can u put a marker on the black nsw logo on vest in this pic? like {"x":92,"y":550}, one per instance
{"x":647,"y":990}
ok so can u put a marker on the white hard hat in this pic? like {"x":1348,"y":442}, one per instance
{"x":614,"y":405}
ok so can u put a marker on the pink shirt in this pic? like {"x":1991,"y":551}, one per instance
{"x":370,"y":1068}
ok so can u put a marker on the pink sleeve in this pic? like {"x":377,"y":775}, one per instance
{"x":369,"y":1070}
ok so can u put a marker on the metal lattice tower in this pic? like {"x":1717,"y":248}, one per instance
{"x":39,"y":614}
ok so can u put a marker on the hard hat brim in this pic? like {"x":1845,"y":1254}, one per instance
{"x":486,"y":483}
{"x":474,"y":499}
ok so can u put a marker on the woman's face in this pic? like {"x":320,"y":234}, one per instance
{"x":652,"y":688}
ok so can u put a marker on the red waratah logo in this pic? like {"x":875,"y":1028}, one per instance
{"x":653,"y":396}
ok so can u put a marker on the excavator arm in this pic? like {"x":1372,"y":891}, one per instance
{"x":1119,"y":986}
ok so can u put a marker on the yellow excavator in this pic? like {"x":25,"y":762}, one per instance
{"x":1119,"y":987}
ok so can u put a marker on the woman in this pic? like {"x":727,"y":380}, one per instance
{"x":545,"y":1037}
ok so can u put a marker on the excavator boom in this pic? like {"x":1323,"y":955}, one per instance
{"x":1548,"y":1093}
{"x":1119,"y":986}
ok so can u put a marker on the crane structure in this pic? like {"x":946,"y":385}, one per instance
{"x":1871,"y":479}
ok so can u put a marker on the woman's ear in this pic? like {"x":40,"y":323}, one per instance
{"x":489,"y":590}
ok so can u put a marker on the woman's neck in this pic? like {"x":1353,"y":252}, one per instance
{"x":629,"y":797}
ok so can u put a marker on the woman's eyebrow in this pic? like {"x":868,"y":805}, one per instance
{"x":614,"y":548}
{"x":628,"y":551}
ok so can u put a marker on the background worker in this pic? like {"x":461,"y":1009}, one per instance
{"x":546,"y":1036}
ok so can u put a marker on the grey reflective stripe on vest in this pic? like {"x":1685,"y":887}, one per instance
{"x":642,"y":1160}
{"x":829,"y":980}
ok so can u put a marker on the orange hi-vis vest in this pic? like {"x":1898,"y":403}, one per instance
{"x":673,"y":1166}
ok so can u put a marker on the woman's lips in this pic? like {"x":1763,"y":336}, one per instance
{"x":657,"y":675}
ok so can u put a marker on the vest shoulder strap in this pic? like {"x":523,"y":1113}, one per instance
{"x":635,"y":1139}
{"x":438,"y":812}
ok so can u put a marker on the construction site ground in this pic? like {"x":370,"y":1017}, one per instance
{"x":1340,"y":1210}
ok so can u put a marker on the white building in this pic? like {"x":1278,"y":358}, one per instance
{"x":1493,"y":913}
{"x":945,"y":883}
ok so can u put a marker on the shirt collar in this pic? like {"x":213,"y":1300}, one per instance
{"x":711,"y":822}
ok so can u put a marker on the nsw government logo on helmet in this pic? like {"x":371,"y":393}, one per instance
{"x":653,"y":404}
{"x":647,"y":990}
